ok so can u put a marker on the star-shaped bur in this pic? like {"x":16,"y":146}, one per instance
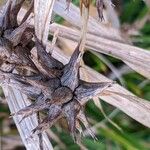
{"x":55,"y":88}
{"x":62,"y":97}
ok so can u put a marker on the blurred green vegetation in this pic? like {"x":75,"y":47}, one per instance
{"x":133,"y":136}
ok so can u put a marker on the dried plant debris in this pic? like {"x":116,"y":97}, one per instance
{"x":100,"y":5}
{"x":56,"y":88}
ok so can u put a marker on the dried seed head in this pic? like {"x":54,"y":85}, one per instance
{"x":55,"y":88}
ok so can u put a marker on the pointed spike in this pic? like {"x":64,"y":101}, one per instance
{"x":54,"y":111}
{"x":79,"y":128}
{"x":15,"y":36}
{"x":25,"y":111}
{"x":81,"y":116}
{"x":15,"y":8}
{"x":20,"y":83}
{"x":53,"y":115}
{"x":28,"y":12}
{"x":87,"y":90}
{"x":79,"y":132}
{"x":48,"y":65}
{"x":4,"y":18}
{"x":27,"y":36}
{"x":33,"y":85}
{"x":33,"y":108}
{"x":50,"y":61}
{"x":28,"y":110}
{"x":70,"y":113}
{"x":5,"y":48}
{"x":30,"y":91}
{"x":41,"y":127}
{"x":24,"y":57}
{"x":70,"y":76}
{"x":47,"y":87}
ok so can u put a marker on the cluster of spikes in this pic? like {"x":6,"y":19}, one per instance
{"x":55,"y":88}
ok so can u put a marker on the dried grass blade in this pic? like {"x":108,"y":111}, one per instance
{"x":85,"y":17}
{"x":136,"y":58}
{"x":137,"y":108}
{"x":98,"y":104}
{"x":73,"y":17}
{"x":42,"y":11}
